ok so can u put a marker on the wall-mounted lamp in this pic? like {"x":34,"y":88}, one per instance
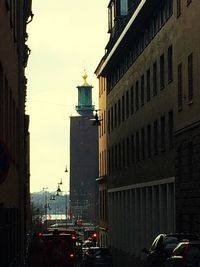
{"x":96,"y":120}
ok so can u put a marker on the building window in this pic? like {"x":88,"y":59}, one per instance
{"x":137,"y":95}
{"x":100,"y":164}
{"x":104,"y":121}
{"x":123,"y":153}
{"x":116,"y":157}
{"x":148,"y":85}
{"x":6,"y":91}
{"x":149,"y":141}
{"x":178,"y":6}
{"x":155,"y":78}
{"x":142,"y":144}
{"x":169,"y":8}
{"x":115,"y":115}
{"x":109,"y":160}
{"x":112,"y":159}
{"x":127,"y":104}
{"x":180,"y":86}
{"x":179,"y":163}
{"x":190,"y":160}
{"x":162,"y":131}
{"x":123,"y":108}
{"x":170,"y":63}
{"x":111,"y":16}
{"x":142,"y":90}
{"x":108,"y":121}
{"x":137,"y":147}
{"x":162,"y":71}
{"x":128,"y":151}
{"x":1,"y":101}
{"x":132,"y":100}
{"x":132,"y":149}
{"x":171,"y":129}
{"x":112,"y":119}
{"x":119,"y":156}
{"x":8,"y":4}
{"x":155,"y":136}
{"x":190,"y":77}
{"x":119,"y":112}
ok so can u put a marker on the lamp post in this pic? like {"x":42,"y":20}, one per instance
{"x":45,"y":205}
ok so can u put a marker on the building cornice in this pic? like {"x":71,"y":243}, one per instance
{"x":169,"y":180}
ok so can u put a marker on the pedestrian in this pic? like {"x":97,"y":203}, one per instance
{"x":36,"y":252}
{"x":56,"y":250}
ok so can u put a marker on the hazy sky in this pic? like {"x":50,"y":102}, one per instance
{"x":65,"y":37}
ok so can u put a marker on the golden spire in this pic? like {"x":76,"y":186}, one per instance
{"x":84,"y":78}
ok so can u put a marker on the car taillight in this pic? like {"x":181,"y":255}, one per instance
{"x":185,"y":252}
{"x":71,"y":255}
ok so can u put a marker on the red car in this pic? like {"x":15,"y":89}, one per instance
{"x":71,"y":256}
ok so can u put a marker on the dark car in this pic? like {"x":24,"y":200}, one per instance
{"x":162,"y":247}
{"x":96,"y":257}
{"x":186,"y":254}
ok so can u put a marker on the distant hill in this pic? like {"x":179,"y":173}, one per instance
{"x":55,"y":204}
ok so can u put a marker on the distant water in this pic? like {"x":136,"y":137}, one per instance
{"x":55,"y":217}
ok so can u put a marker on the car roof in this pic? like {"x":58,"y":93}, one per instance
{"x":192,"y":242}
{"x":182,"y":234}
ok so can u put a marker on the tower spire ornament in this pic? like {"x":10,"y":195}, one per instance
{"x":85,"y":78}
{"x":85,"y":107}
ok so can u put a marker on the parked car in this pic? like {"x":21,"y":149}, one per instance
{"x":186,"y":254}
{"x":162,"y":247}
{"x":96,"y":257}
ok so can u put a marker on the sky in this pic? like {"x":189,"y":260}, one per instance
{"x":65,"y":37}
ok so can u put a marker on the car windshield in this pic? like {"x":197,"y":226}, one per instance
{"x":170,"y":242}
{"x":102,"y":251}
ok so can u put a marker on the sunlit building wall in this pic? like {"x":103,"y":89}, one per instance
{"x":149,"y":171}
{"x":103,"y":168}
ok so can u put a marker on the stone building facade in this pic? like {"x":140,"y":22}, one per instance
{"x":151,"y":69}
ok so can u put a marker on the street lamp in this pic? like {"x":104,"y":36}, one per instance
{"x":45,"y":205}
{"x":52,"y":197}
{"x":96,"y":120}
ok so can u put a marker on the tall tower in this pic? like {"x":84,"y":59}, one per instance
{"x":84,"y":159}
{"x":85,"y":107}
